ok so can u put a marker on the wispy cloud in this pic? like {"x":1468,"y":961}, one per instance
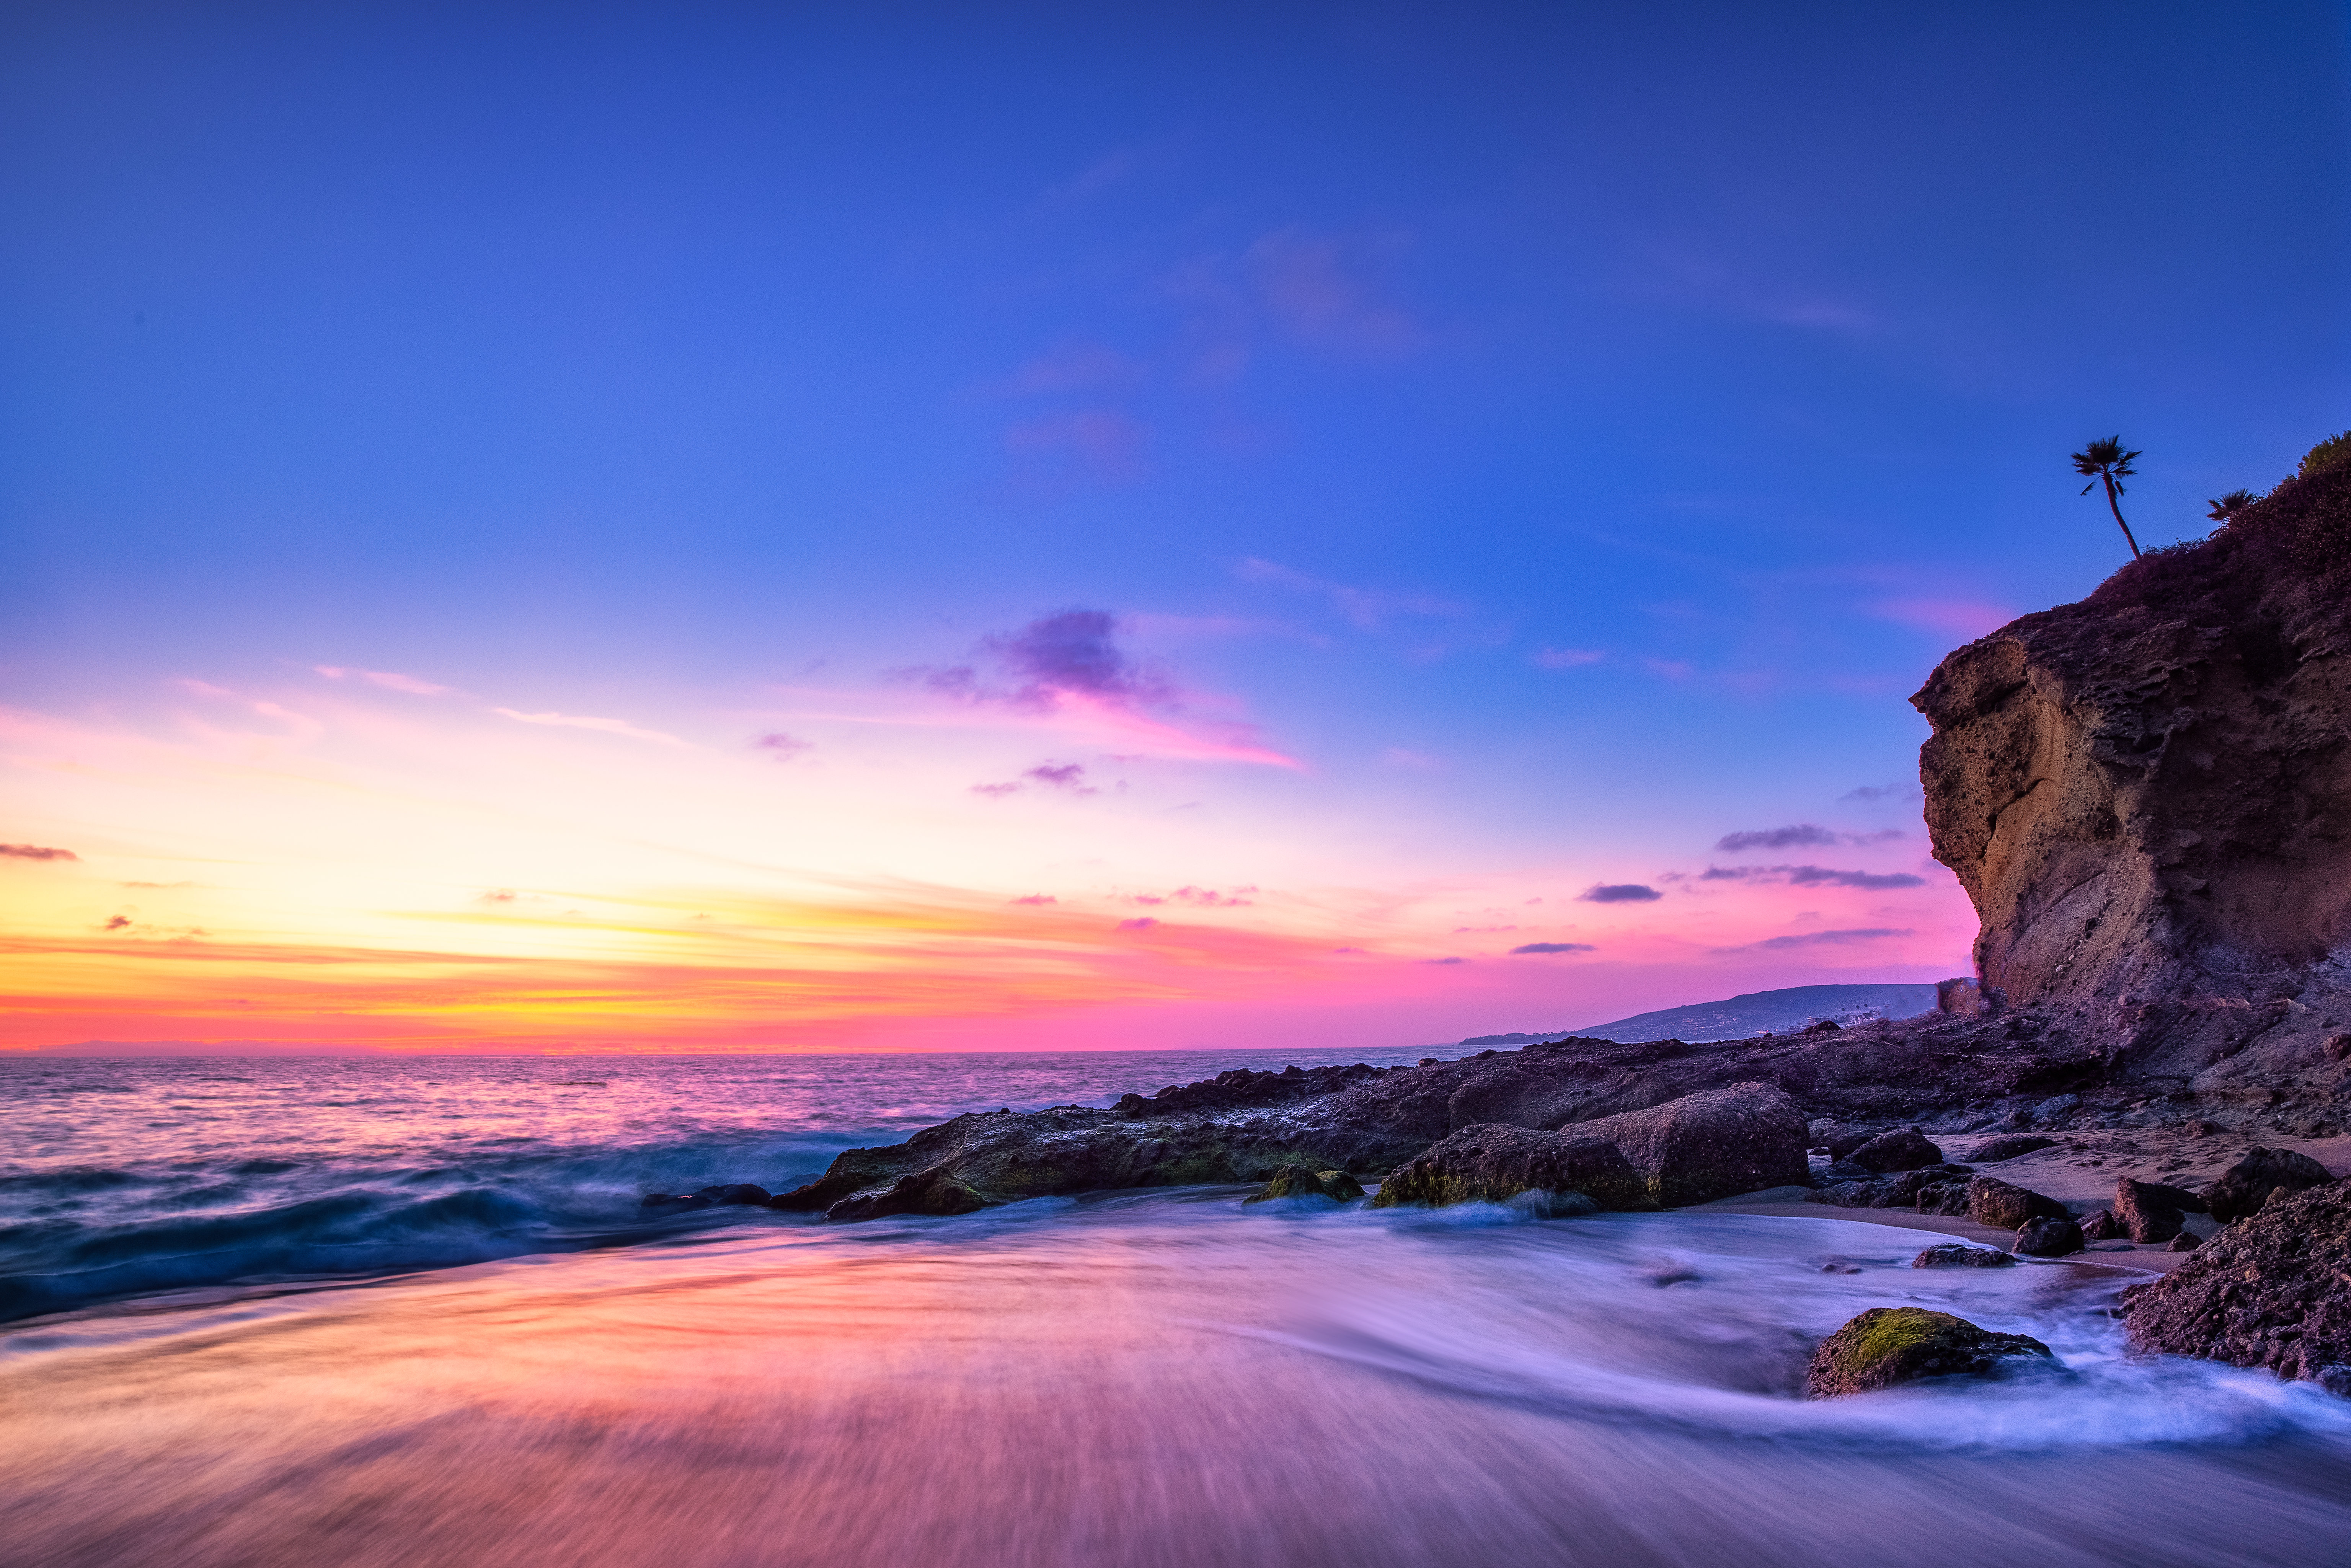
{"x":1554,"y":947}
{"x":1619,"y":892}
{"x":1366,"y":609}
{"x":1968,"y":619}
{"x":1076,"y":367}
{"x":1900,"y":789}
{"x":781,"y":745}
{"x":1567,"y":658}
{"x":1801,"y":835}
{"x":1818,"y":939}
{"x":35,"y":853}
{"x":1813,"y":876}
{"x":1326,"y":289}
{"x":390,"y":680}
{"x":1070,"y":778}
{"x":581,"y":721}
{"x":1097,"y":443}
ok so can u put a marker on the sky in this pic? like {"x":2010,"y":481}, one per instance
{"x":793,"y":527}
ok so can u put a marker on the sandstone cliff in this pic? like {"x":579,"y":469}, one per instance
{"x":2147,"y":795}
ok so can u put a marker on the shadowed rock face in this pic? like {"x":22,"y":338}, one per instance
{"x":2147,"y":795}
{"x":1493,"y":1162}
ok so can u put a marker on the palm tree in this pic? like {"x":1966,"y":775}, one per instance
{"x":2230,"y":504}
{"x":2107,"y":460}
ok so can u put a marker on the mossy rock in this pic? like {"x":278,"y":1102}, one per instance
{"x":1305,"y":1181}
{"x":1885,"y":1347}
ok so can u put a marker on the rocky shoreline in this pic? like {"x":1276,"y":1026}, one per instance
{"x":2148,"y":797}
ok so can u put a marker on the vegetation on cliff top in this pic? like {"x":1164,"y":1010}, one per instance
{"x":2296,"y":541}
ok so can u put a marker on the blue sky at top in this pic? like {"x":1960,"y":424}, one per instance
{"x":1551,"y":424}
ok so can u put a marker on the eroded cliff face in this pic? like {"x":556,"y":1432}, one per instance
{"x":2147,"y":795}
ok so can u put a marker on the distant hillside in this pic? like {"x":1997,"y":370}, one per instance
{"x":1753,"y":1013}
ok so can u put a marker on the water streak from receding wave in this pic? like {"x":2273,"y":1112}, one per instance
{"x":1160,"y":1379}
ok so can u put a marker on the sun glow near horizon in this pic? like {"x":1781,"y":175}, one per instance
{"x":387,"y":860}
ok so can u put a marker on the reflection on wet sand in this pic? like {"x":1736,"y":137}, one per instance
{"x":1155,"y":1379}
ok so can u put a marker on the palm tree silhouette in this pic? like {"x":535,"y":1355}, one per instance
{"x":2230,"y":504}
{"x":2107,"y":460}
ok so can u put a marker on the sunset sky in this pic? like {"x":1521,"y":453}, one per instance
{"x":773,"y":527}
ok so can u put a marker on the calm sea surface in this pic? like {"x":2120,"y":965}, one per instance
{"x":330,"y":1310}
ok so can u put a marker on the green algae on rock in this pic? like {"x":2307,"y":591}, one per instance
{"x":1305,"y":1181}
{"x":1885,"y":1347}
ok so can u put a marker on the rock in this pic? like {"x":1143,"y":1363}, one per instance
{"x":1888,"y":1346}
{"x":1824,"y":1026}
{"x":2150,"y":1211}
{"x":2244,"y":1187}
{"x":1305,"y":1181}
{"x":2055,"y":1111}
{"x":2101,"y":1226}
{"x":1899,"y":1190}
{"x":2183,"y":1242}
{"x":2143,"y":794}
{"x":1961,"y":1255}
{"x":1718,"y":1143}
{"x":2007,"y":1207}
{"x":1903,"y":1149}
{"x":734,"y":1192}
{"x":2048,"y":1237}
{"x":1493,"y":1162}
{"x":1836,"y":1171}
{"x":1946,"y":1198}
{"x":924,"y":1192}
{"x":2010,"y":1145}
{"x":2273,"y":1290}
{"x":1840,"y":1138}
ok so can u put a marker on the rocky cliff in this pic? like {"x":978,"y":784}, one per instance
{"x":2147,"y":795}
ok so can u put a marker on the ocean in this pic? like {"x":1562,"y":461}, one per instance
{"x":409,"y":1311}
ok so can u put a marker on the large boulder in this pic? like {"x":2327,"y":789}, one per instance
{"x":2274,"y":1290}
{"x":2152,"y":1212}
{"x":1962,"y":1255}
{"x":2244,"y":1187}
{"x":1718,"y":1143}
{"x":1840,"y":1138}
{"x":1494,"y":1162}
{"x":1991,"y":1201}
{"x":1888,"y":1346}
{"x":2048,"y":1237}
{"x":924,"y":1192}
{"x":1903,"y":1149}
{"x":2011,"y":1146}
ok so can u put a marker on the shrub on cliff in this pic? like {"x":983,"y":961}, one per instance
{"x":2292,"y":543}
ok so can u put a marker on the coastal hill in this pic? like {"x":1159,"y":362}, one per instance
{"x":1761,"y":1012}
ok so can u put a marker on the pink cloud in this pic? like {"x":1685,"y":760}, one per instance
{"x":390,"y":680}
{"x":581,"y":721}
{"x":1568,"y":658}
{"x":1096,"y":444}
{"x":1067,"y":673}
{"x":1966,"y":618}
{"x":1075,"y":366}
{"x":1324,"y":290}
